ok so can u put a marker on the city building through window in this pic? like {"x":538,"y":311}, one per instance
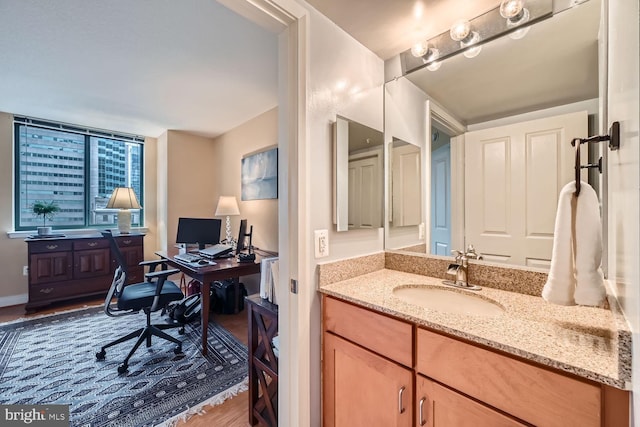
{"x":75,"y":167}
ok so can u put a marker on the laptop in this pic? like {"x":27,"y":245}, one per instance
{"x":215,"y":251}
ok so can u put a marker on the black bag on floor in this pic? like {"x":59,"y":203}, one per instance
{"x":187,"y":310}
{"x":225,"y":297}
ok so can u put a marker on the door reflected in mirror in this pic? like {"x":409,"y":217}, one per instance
{"x":359,"y":175}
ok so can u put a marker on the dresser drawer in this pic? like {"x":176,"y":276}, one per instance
{"x":86,"y":244}
{"x":49,"y":291}
{"x":384,"y":335}
{"x":49,"y":246}
{"x":510,"y":385}
{"x":124,"y":241}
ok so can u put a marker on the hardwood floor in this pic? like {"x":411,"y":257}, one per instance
{"x":232,"y":413}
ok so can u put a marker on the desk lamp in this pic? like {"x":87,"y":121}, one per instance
{"x":123,"y":198}
{"x":227,"y":206}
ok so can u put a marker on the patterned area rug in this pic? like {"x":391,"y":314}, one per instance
{"x":51,"y":360}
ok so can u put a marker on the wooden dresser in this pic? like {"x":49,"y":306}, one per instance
{"x":77,"y":266}
{"x":263,"y":362}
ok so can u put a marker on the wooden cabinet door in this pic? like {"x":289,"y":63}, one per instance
{"x":92,"y":263}
{"x":362,"y":389}
{"x":50,"y":267}
{"x":438,"y":406}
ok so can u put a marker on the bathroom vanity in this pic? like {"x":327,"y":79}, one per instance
{"x":388,"y":360}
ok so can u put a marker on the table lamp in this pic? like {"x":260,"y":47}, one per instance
{"x":123,"y":198}
{"x":227,"y":206}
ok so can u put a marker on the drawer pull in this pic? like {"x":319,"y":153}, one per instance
{"x":400,"y":405}
{"x":92,"y":244}
{"x":126,"y":242}
{"x":46,"y":290}
{"x":51,"y":247}
{"x":422,"y":421}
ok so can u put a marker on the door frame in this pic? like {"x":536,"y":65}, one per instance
{"x":290,"y":21}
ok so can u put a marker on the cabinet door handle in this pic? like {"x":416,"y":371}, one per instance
{"x":46,"y":290}
{"x":127,"y":242}
{"x":422,"y":421}
{"x":400,"y":405}
{"x":51,"y":247}
{"x":92,"y":244}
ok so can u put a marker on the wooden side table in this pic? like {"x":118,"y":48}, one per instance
{"x":263,"y":363}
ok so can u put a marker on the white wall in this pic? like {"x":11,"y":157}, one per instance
{"x":624,"y":171}
{"x":344,"y":78}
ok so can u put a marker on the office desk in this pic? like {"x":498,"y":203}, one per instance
{"x":225,"y":268}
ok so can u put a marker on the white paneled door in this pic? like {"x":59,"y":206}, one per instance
{"x":365,"y":191}
{"x":513,"y":176}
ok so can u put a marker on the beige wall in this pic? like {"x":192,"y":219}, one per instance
{"x":189,"y":177}
{"x":13,"y":252}
{"x":254,"y":135}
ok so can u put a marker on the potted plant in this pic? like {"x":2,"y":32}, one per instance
{"x":47,"y":210}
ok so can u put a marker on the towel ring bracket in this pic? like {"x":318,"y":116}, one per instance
{"x":614,"y":144}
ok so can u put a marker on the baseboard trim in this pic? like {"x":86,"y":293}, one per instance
{"x":14,"y":300}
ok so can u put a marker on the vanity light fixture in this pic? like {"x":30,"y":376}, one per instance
{"x":467,"y":37}
{"x":461,"y":32}
{"x":514,"y":12}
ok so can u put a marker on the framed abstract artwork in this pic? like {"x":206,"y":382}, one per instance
{"x":260,"y":175}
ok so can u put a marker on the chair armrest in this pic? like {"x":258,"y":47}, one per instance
{"x":161,"y":273}
{"x":152,"y":263}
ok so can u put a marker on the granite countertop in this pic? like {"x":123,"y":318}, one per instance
{"x":590,"y":342}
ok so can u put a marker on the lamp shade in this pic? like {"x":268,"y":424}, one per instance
{"x":227,"y":205}
{"x":123,"y":198}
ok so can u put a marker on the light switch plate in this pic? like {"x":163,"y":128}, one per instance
{"x":321,"y":243}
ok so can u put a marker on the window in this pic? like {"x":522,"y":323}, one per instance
{"x":76,"y":167}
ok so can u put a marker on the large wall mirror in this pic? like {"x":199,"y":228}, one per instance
{"x":493,"y":133}
{"x":358,"y":175}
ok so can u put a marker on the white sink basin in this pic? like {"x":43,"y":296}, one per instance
{"x":449,"y":301}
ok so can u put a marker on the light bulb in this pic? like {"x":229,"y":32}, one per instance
{"x":460,"y":30}
{"x":472,"y":52}
{"x":511,"y":8}
{"x":470,"y":40}
{"x":419,"y":49}
{"x":434,"y":66}
{"x":514,"y":12}
{"x":432,"y":54}
{"x":518,"y":34}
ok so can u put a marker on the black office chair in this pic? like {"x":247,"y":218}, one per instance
{"x":152,"y":295}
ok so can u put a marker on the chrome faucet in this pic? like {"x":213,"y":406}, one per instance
{"x":461,"y":268}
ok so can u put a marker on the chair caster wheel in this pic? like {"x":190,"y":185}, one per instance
{"x":123,"y":368}
{"x":178,"y":349}
{"x":101,"y":354}
{"x":181,"y":331}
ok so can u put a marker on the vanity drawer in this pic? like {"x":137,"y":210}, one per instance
{"x":511,"y":385}
{"x":389,"y":337}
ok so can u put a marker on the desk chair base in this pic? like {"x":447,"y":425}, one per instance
{"x":143,"y":334}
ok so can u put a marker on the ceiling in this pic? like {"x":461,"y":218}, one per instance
{"x":138,"y":67}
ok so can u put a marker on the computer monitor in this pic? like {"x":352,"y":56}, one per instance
{"x":242,"y":235}
{"x":203,"y":231}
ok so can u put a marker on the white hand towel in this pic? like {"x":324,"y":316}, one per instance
{"x":575,"y":276}
{"x":590,"y":288}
